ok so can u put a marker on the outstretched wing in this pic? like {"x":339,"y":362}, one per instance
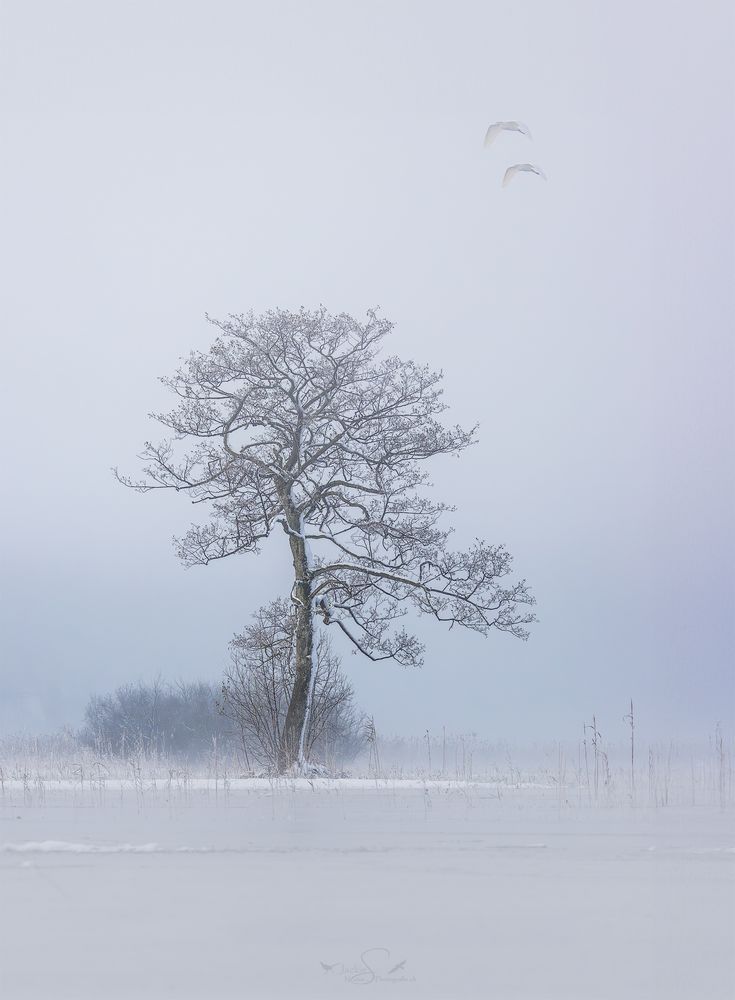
{"x":497,"y":127}
{"x":493,"y":132}
{"x":518,"y":127}
{"x":510,"y":173}
{"x":522,"y":167}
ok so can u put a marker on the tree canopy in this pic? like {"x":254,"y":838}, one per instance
{"x":296,"y":422}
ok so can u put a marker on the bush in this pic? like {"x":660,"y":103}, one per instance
{"x":159,"y":718}
{"x":257,"y":690}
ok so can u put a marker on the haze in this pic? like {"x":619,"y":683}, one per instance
{"x":165,"y":160}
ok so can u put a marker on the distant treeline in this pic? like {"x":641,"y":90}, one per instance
{"x":159,"y":718}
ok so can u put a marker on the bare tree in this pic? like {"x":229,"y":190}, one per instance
{"x":257,"y":691}
{"x":295,"y":421}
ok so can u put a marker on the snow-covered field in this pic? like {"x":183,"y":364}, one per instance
{"x":135,"y":888}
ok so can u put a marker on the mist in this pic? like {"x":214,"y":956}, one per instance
{"x":166,"y":161}
{"x":205,"y":791}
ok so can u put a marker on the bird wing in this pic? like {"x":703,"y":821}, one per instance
{"x":510,"y":173}
{"x":532,"y":168}
{"x":520,"y":127}
{"x":526,"y":167}
{"x":497,"y":127}
{"x":493,"y":132}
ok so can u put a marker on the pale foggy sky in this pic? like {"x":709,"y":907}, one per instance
{"x":163,"y":159}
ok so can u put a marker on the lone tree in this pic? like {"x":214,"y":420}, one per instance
{"x":292,"y":421}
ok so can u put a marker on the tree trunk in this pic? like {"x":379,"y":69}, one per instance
{"x":293,"y":743}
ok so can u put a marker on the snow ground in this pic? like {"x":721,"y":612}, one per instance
{"x":333,"y":888}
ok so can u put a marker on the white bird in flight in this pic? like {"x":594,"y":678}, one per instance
{"x":518,"y":168}
{"x":494,"y":130}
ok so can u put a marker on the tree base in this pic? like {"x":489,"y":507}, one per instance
{"x":304,"y":769}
